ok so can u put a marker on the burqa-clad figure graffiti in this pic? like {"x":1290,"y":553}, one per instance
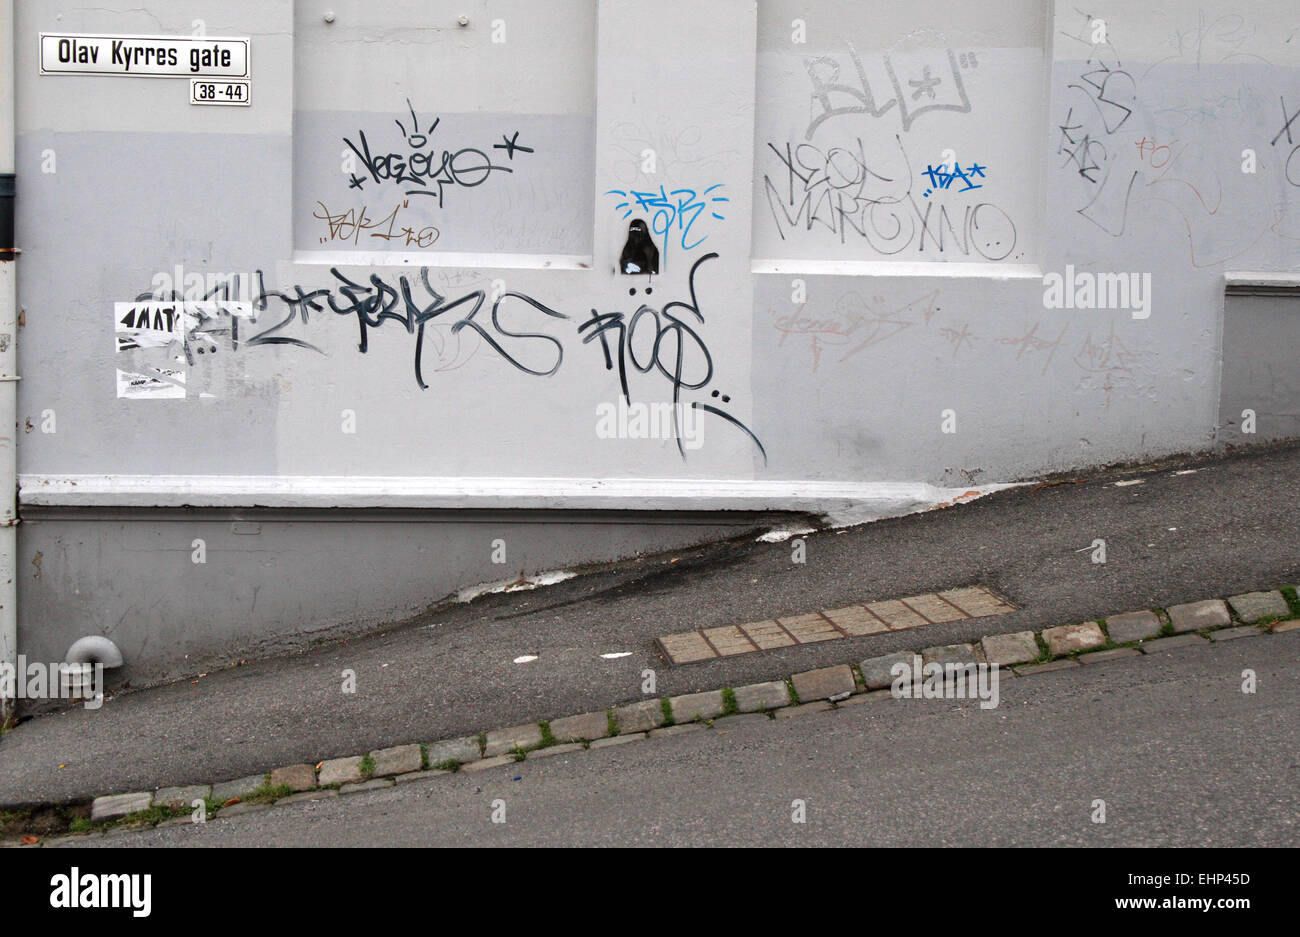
{"x":640,"y":255}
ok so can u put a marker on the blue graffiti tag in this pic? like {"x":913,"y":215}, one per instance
{"x":675,"y":211}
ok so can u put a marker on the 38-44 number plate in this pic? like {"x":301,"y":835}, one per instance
{"x":232,"y":92}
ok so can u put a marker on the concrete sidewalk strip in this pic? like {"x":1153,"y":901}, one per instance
{"x":832,"y":624}
{"x":1133,"y":626}
{"x":1211,"y":613}
{"x":1254,"y":606}
{"x":1171,"y":644}
{"x":821,"y":690}
{"x":1115,"y":653}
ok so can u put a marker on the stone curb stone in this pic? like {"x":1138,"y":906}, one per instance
{"x":180,"y":821}
{"x":308,"y":795}
{"x":1284,"y":626}
{"x":1193,"y":616}
{"x":295,"y":777}
{"x":738,"y":721}
{"x":1228,"y":634}
{"x":372,"y":785}
{"x":401,"y":759}
{"x":484,"y":763}
{"x":869,"y":697}
{"x":181,"y":796}
{"x":1043,"y":668}
{"x":1115,"y":653}
{"x":639,"y":717}
{"x":669,"y":731}
{"x":463,"y":750}
{"x":1018,"y":647}
{"x":500,"y":741}
{"x":1066,"y":638}
{"x":341,"y":771}
{"x":1132,"y":626}
{"x":822,"y":683}
{"x":240,"y":787}
{"x":875,"y":670}
{"x":803,"y":709}
{"x":949,"y":654}
{"x":579,"y":728}
{"x":113,"y":806}
{"x":555,"y":750}
{"x":1252,"y":606}
{"x":618,"y":740}
{"x":421,"y":775}
{"x":1170,"y":644}
{"x":235,"y":810}
{"x":688,"y":707}
{"x":757,"y":696}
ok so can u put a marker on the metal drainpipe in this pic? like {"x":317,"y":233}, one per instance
{"x":8,"y":361}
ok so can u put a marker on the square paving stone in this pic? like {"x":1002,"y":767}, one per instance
{"x":758,"y":696}
{"x":119,"y":805}
{"x":809,"y":629}
{"x":500,"y":741}
{"x":856,"y":620}
{"x":181,"y":796}
{"x":639,"y":717}
{"x":729,"y":640}
{"x":686,"y":648}
{"x":1193,"y":616}
{"x":767,"y":635}
{"x":935,"y":608}
{"x":398,"y":760}
{"x":579,"y":728}
{"x":976,"y":601}
{"x":240,"y":787}
{"x":895,"y":614}
{"x":876,"y":670}
{"x":1018,"y":647}
{"x":462,"y":750}
{"x":296,"y":777}
{"x":691,"y":706}
{"x":341,"y":771}
{"x":1132,"y":626}
{"x":1066,"y":638}
{"x":1253,"y":606}
{"x":823,"y":683}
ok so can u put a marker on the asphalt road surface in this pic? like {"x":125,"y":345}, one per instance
{"x":1192,"y":530}
{"x":1180,"y":755}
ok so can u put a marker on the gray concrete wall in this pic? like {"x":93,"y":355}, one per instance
{"x":856,"y":322}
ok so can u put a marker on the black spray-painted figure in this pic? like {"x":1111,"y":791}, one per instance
{"x":640,"y":255}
